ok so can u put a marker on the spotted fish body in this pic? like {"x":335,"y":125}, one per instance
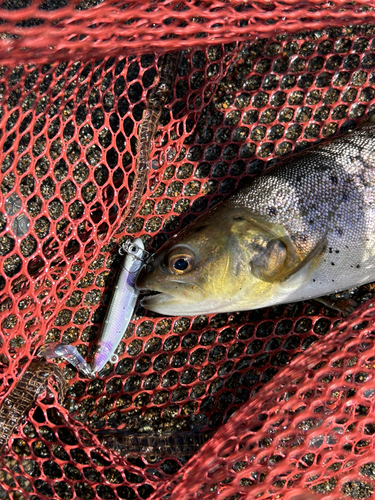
{"x":303,"y":230}
{"x":328,"y":192}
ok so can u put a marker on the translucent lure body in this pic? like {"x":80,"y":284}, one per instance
{"x":68,"y":352}
{"x":122,"y":304}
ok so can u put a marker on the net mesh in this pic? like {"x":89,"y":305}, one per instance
{"x":73,"y":88}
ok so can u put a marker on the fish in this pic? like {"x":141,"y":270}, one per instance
{"x":122,"y":305}
{"x":299,"y":231}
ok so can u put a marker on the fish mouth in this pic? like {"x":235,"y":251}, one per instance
{"x":152,"y":297}
{"x":171,"y":299}
{"x":168,"y":305}
{"x":155,"y":301}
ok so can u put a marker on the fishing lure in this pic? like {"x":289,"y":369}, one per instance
{"x":122,"y":303}
{"x":68,"y":352}
{"x":22,"y":397}
{"x":155,"y":103}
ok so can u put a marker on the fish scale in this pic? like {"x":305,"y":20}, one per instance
{"x":326,"y":191}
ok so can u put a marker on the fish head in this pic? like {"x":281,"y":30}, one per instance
{"x":223,"y":263}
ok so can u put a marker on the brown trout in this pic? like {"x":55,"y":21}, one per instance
{"x":302,"y":231}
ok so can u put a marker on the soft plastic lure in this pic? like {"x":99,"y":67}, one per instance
{"x":122,"y":304}
{"x":68,"y":352}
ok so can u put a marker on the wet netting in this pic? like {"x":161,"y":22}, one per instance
{"x":280,"y":401}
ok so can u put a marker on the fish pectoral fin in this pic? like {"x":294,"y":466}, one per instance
{"x":344,"y":306}
{"x":315,"y":252}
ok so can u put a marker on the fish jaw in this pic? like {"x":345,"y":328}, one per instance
{"x":170,"y":287}
{"x":168,"y":305}
{"x":161,"y":302}
{"x":172,"y":297}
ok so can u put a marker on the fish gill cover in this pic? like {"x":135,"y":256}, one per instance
{"x":74,"y":85}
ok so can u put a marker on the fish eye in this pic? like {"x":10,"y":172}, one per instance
{"x":180,"y":263}
{"x":179,"y":260}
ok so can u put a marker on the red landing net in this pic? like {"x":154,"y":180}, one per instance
{"x":73,"y":88}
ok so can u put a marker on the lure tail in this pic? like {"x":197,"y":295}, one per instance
{"x":104,"y":353}
{"x":68,"y":352}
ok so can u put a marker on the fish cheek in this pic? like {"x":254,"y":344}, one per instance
{"x":268,"y":263}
